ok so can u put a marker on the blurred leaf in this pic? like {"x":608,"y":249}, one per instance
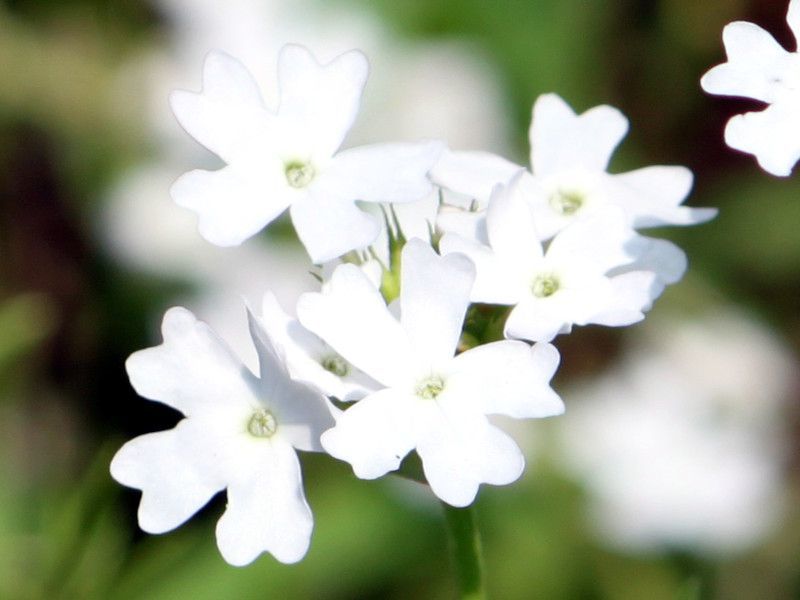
{"x":25,"y":321}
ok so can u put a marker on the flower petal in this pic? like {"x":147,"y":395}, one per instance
{"x":633,"y":294}
{"x":661,"y":257}
{"x":560,"y":139}
{"x":596,"y":243}
{"x":651,"y":196}
{"x":793,"y":18}
{"x":318,"y":103}
{"x":461,"y":450}
{"x":178,"y":472}
{"x":509,"y":378}
{"x":330,"y":227}
{"x":496,"y":281}
{"x":232,"y":205}
{"x":351,"y":316}
{"x":267,"y":511}
{"x":381,"y":172}
{"x":473,"y":174}
{"x":756,"y":65}
{"x":193,"y":370}
{"x":534,"y":321}
{"x":509,"y":222}
{"x":374,"y":434}
{"x":434,"y":295}
{"x":228,"y":117}
{"x":772,"y":135}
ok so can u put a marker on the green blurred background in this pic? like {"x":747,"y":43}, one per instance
{"x":83,"y":114}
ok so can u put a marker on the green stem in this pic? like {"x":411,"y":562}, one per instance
{"x":465,"y":548}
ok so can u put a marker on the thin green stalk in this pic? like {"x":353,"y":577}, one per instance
{"x":465,"y":548}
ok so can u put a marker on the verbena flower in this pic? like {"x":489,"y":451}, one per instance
{"x":432,"y":401}
{"x":239,"y":433}
{"x":569,"y":283}
{"x":310,"y":359}
{"x":569,"y":157}
{"x":288,"y":158}
{"x":759,"y":68}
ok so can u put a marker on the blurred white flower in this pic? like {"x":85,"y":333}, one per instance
{"x":240,"y":432}
{"x":219,"y":277}
{"x":431,"y":401}
{"x":568,"y":283}
{"x":569,"y":157}
{"x":759,"y":68}
{"x":683,"y":446}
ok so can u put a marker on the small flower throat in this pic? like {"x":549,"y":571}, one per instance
{"x":262,"y":424}
{"x":299,"y":174}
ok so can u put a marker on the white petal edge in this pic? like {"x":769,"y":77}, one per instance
{"x":267,"y":510}
{"x":509,"y":378}
{"x":232,"y":205}
{"x":374,"y":434}
{"x":381,"y":172}
{"x":318,"y":102}
{"x":434,"y":296}
{"x":561,"y":139}
{"x":178,"y":472}
{"x":193,"y":370}
{"x":330,"y":227}
{"x":473,"y":173}
{"x":351,"y":316}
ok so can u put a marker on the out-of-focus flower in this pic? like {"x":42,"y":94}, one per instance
{"x":240,"y":432}
{"x":683,"y":445}
{"x":431,"y":401}
{"x":569,"y":157}
{"x":569,"y":283}
{"x":289,"y":158}
{"x":759,"y":68}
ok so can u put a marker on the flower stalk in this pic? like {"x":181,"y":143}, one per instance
{"x":466,"y":552}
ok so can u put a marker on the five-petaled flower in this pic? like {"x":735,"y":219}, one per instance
{"x":432,"y":401}
{"x":759,"y":68}
{"x":572,"y":282}
{"x":288,"y":158}
{"x":568,"y":179}
{"x":240,"y":432}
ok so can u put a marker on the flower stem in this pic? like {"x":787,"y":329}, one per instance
{"x":465,"y":548}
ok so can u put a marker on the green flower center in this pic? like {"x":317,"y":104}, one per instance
{"x":567,"y":202}
{"x":299,"y":174}
{"x":262,"y":424}
{"x":545,"y":286}
{"x":335,"y":364}
{"x":430,"y":388}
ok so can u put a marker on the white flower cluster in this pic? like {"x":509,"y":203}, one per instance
{"x":759,"y":68}
{"x":557,"y":244}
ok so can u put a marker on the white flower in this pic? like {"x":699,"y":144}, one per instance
{"x":240,"y":433}
{"x":432,"y":401}
{"x":569,"y":283}
{"x":310,"y":359}
{"x":287,"y":158}
{"x":683,"y":445}
{"x":569,"y":157}
{"x":759,"y":68}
